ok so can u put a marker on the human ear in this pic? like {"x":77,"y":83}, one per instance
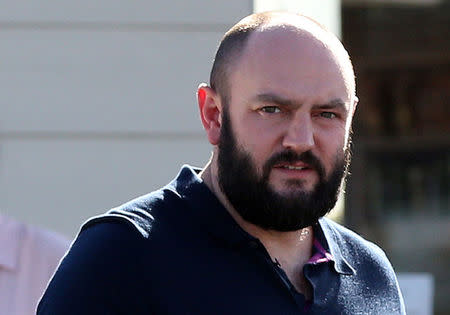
{"x":210,"y":108}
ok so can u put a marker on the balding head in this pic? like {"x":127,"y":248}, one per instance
{"x":279,"y":112}
{"x":236,"y":40}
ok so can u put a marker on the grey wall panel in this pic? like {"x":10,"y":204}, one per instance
{"x":101,"y":81}
{"x":98,"y":100}
{"x":131,"y":11}
{"x":60,"y":183}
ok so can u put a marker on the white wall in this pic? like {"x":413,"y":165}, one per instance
{"x":326,"y":12}
{"x":97,"y":101}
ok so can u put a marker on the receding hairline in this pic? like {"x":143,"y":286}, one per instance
{"x":278,"y":18}
{"x":268,"y":21}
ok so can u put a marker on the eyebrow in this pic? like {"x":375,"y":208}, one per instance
{"x":276,"y":99}
{"x":336,"y":103}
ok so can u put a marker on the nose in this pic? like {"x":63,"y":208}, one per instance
{"x":299,"y":135}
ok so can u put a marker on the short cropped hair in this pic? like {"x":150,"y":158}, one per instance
{"x":230,"y":49}
{"x":234,"y":43}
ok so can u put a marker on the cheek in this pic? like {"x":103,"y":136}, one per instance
{"x":258,"y":139}
{"x":329,"y":146}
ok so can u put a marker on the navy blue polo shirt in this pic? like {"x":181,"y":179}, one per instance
{"x":178,"y":251}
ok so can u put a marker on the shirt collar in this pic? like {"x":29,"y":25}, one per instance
{"x":10,"y":231}
{"x":335,"y":245}
{"x":221,"y":225}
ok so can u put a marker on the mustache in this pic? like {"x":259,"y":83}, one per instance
{"x":289,"y":156}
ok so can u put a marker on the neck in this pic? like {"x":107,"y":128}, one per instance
{"x":291,"y":249}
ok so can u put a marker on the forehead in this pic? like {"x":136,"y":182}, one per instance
{"x":295,"y":63}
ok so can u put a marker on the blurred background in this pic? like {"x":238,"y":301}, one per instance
{"x":98,"y":106}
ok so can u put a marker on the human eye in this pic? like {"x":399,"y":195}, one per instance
{"x":328,"y":115}
{"x":270,"y":109}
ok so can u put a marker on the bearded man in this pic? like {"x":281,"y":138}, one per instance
{"x":246,"y":234}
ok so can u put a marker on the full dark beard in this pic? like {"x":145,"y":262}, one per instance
{"x":251,"y":196}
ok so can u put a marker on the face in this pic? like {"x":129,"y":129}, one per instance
{"x":284,"y":134}
{"x":256,"y":202}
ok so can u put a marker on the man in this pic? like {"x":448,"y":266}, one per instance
{"x":245,"y":235}
{"x":28,"y":258}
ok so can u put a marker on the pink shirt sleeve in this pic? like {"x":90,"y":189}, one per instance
{"x":28,"y":259}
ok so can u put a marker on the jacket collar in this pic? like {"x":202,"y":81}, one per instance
{"x":215,"y":218}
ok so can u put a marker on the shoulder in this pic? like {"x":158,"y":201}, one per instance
{"x":120,"y":235}
{"x":140,"y":214}
{"x":373,"y":274}
{"x":109,"y":255}
{"x":120,"y":239}
{"x":352,"y":245}
{"x":368,"y":261}
{"x":101,"y":264}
